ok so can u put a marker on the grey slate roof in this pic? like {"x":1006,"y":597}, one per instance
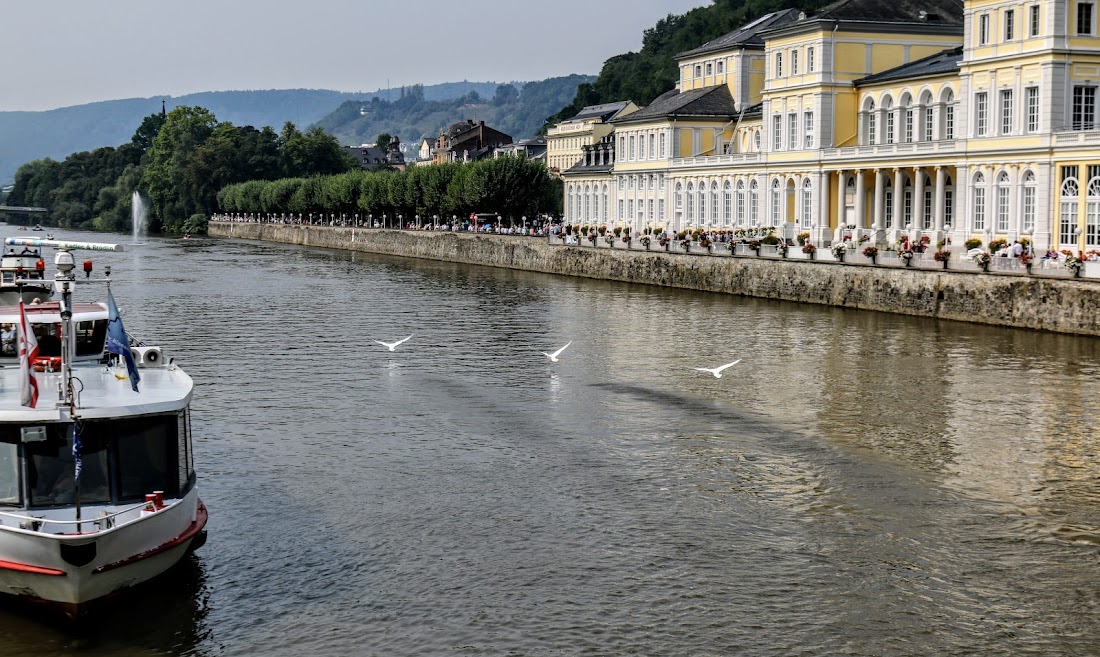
{"x":938,"y":64}
{"x":713,"y":101}
{"x":746,"y":35}
{"x":893,"y":11}
{"x":602,"y":112}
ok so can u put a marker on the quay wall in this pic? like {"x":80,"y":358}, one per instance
{"x":1059,"y":305}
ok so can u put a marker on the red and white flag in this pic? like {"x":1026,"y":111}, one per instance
{"x":28,"y":351}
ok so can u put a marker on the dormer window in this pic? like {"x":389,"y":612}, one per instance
{"x":698,"y":70}
{"x":721,"y":67}
{"x":710,"y":68}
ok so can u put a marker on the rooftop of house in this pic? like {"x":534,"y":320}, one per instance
{"x":746,"y":35}
{"x":892,"y":11}
{"x":937,"y":64}
{"x":603,"y":112}
{"x":708,"y":102}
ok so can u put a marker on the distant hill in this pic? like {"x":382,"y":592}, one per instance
{"x":518,"y":109}
{"x":26,"y":136}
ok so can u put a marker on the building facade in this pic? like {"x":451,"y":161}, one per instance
{"x":566,"y":140}
{"x":949,"y":119}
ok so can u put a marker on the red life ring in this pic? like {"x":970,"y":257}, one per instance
{"x":42,"y":363}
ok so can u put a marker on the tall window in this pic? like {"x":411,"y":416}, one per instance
{"x":777,"y":132}
{"x":631,"y":147}
{"x":1032,"y":109}
{"x":641,"y":147}
{"x":928,"y":115}
{"x":807,"y":204}
{"x":809,"y":59}
{"x":978,"y":205}
{"x":721,"y":67}
{"x":690,"y":202}
{"x":679,"y":196}
{"x":605,"y":197}
{"x":754,"y":204}
{"x":1084,"y":108}
{"x":652,"y":143}
{"x":1084,"y":18}
{"x":871,"y":123}
{"x":1003,"y":192}
{"x":661,"y":141}
{"x":794,"y":62}
{"x":587,"y":207}
{"x":1029,"y":202}
{"x":792,"y":131}
{"x":1067,"y":215}
{"x":909,"y":119}
{"x":906,"y":206}
{"x":1010,"y":24}
{"x":981,"y":109}
{"x":727,"y":203}
{"x":1006,"y":111}
{"x":714,"y":202}
{"x":983,"y":29}
{"x":1092,"y":209}
{"x":778,"y":64}
{"x":948,"y":203}
{"x":740,"y":202}
{"x":710,"y":68}
{"x":808,"y":128}
{"x":777,"y":198}
{"x":1033,"y":20}
{"x":949,"y":115}
{"x":888,"y":108}
{"x":888,"y":204}
{"x":926,"y":216}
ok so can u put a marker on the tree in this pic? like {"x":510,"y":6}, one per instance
{"x":173,"y":199}
{"x":505,"y":94}
{"x":383,"y":141}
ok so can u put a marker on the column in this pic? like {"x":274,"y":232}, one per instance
{"x":918,"y":199}
{"x":880,"y":189}
{"x":1013,"y":205}
{"x":821,"y":209}
{"x":860,"y":201}
{"x":841,"y":190}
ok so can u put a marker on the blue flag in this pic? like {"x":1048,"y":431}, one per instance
{"x":78,"y":448}
{"x":118,"y":343}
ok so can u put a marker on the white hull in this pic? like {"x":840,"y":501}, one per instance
{"x":133,"y":552}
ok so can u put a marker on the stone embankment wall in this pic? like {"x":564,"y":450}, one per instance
{"x":1065,"y":306}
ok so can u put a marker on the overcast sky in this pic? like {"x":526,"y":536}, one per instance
{"x":56,"y":53}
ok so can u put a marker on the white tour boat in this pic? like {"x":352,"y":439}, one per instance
{"x":97,"y":481}
{"x":25,"y":264}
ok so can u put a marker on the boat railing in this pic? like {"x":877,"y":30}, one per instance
{"x":105,"y":520}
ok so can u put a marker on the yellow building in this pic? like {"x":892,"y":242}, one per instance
{"x":943,"y":118}
{"x":565,"y":140}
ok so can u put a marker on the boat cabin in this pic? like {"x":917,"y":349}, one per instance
{"x":23,"y":263}
{"x":89,"y":331}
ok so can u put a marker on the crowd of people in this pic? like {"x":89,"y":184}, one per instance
{"x":538,"y":227}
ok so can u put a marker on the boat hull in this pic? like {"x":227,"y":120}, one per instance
{"x":10,"y":295}
{"x":41,"y":567}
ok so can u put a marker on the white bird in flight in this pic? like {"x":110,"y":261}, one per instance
{"x":392,"y":345}
{"x":717,"y":371}
{"x":554,"y":356}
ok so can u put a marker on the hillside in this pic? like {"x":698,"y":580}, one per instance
{"x":26,"y":136}
{"x":517,"y":110}
{"x":644,"y":75}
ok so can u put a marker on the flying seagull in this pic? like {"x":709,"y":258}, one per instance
{"x":392,"y":345}
{"x":717,"y":371}
{"x":554,"y":356}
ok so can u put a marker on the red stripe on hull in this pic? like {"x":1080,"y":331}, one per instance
{"x":37,"y":570}
{"x":194,"y":528}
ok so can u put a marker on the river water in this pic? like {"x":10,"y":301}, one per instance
{"x":860,"y":484}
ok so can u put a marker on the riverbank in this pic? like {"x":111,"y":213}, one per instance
{"x":1059,"y":305}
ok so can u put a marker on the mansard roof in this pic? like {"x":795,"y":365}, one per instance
{"x":708,"y":102}
{"x":938,"y":64}
{"x":603,"y":112}
{"x":747,"y":35}
{"x":893,"y":11}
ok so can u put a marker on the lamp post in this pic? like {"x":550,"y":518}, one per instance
{"x":1077,"y":238}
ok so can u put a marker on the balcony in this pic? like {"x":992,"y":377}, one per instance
{"x":713,"y":160}
{"x":891,"y":150}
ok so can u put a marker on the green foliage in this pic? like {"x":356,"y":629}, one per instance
{"x":972,"y":243}
{"x":644,"y":75}
{"x":383,"y":140}
{"x":512,"y":187}
{"x":196,"y":224}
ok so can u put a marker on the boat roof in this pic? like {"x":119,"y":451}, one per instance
{"x":50,"y":311}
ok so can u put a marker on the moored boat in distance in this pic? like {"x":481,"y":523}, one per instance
{"x":97,"y":483}
{"x":23,"y":263}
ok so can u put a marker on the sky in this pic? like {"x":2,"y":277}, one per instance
{"x":57,"y":53}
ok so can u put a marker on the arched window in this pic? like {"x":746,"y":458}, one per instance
{"x":977,"y":218}
{"x":691,"y":202}
{"x":807,"y":203}
{"x":871,"y":120}
{"x":756,"y":140}
{"x":777,"y":200}
{"x":587,"y":208}
{"x":572,"y":203}
{"x":679,"y":196}
{"x":948,"y":113}
{"x":1004,"y":192}
{"x":1067,"y":215}
{"x":714,"y":202}
{"x":888,"y":204}
{"x":927,"y":114}
{"x":948,"y":202}
{"x":727,"y":203}
{"x":1092,"y":213}
{"x":1030,"y":200}
{"x":605,"y":198}
{"x":741,"y":203}
{"x":906,"y":204}
{"x":908,"y":119}
{"x":888,"y":111}
{"x":926,"y":216}
{"x":754,"y":204}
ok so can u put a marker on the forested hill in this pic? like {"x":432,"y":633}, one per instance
{"x":644,"y":75}
{"x":517,"y":110}
{"x":26,"y":136}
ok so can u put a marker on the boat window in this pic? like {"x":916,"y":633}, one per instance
{"x":90,"y":337}
{"x":9,"y":277}
{"x":9,"y":474}
{"x":51,"y":466}
{"x":146,"y":455}
{"x":183,"y":449}
{"x":49,"y":339}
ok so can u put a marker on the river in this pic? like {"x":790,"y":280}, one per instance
{"x":859,"y":484}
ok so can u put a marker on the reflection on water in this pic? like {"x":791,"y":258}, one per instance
{"x":859,"y":484}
